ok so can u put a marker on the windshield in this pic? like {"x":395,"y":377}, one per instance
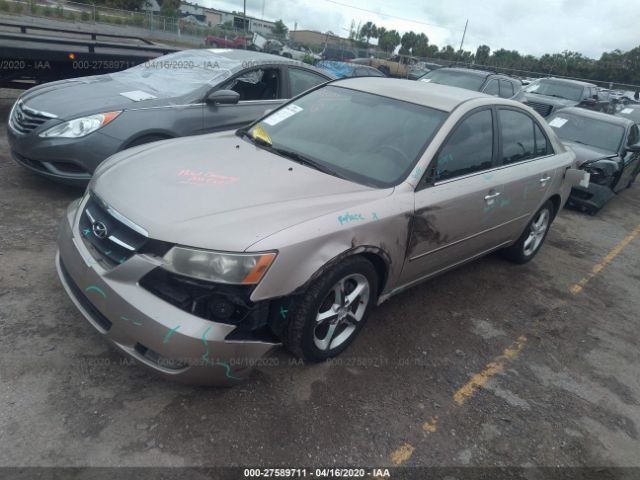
{"x":178,"y":73}
{"x":556,"y":89}
{"x":362,"y":137}
{"x":469,"y":81}
{"x":597,"y":133}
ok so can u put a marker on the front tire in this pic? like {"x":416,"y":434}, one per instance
{"x":529,"y":243}
{"x":332,"y":311}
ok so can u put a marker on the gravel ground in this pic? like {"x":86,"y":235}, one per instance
{"x":563,"y":388}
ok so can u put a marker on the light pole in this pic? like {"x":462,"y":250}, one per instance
{"x":244,"y":14}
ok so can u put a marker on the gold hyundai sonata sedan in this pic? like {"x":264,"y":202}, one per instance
{"x":197,"y":256}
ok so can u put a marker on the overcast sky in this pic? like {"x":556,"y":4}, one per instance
{"x":529,"y":26}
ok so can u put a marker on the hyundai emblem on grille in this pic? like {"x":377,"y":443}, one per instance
{"x":99,"y":229}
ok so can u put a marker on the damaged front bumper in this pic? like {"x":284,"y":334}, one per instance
{"x":588,"y":196}
{"x":169,"y":340}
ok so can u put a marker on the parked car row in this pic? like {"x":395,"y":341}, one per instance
{"x":198,"y":255}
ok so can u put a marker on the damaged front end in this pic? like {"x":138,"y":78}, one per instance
{"x":603,"y":174}
{"x":221,"y":303}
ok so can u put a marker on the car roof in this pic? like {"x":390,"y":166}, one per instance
{"x":603,"y":117}
{"x":251,"y":58}
{"x":480,"y":73}
{"x":567,"y":80}
{"x":440,"y":97}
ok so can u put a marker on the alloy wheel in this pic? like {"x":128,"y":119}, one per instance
{"x":340,"y":312}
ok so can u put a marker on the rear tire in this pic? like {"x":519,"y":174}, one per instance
{"x":332,"y":311}
{"x":529,"y":243}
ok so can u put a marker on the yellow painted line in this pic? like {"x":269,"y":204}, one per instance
{"x":402,"y":454}
{"x":492,"y":368}
{"x":615,"y":251}
{"x":431,"y":426}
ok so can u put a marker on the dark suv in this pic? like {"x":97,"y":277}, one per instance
{"x":477,"y":80}
{"x":547,"y":95}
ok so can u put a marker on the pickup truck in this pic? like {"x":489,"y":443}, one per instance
{"x":220,"y":42}
{"x":548,"y":95}
{"x":395,"y":66}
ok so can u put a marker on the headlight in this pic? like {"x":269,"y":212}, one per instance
{"x":79,"y":127}
{"x":237,"y":268}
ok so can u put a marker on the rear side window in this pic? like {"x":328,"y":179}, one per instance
{"x":506,"y":89}
{"x":522,"y":138}
{"x":542,"y":144}
{"x":469,"y":149}
{"x":492,"y":88}
{"x":301,"y":80}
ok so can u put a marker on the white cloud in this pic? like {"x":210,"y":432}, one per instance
{"x":590,"y":27}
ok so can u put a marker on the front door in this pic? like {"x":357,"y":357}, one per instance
{"x":260,"y":89}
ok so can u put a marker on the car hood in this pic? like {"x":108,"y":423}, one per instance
{"x":555,"y":101}
{"x":219,"y":191}
{"x":587,"y":153}
{"x":87,"y":95}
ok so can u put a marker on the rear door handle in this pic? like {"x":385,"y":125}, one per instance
{"x":545,"y":179}
{"x":491,"y":196}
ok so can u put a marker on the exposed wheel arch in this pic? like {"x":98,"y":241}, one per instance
{"x":379,"y":258}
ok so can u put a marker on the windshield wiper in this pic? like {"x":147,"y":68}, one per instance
{"x":283,"y":152}
{"x":304,"y":160}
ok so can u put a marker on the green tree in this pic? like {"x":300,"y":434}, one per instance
{"x":407,"y":42}
{"x":280,"y":30}
{"x":367,"y":31}
{"x":482,"y":54}
{"x":389,"y":41}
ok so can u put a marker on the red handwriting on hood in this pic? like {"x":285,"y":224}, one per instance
{"x":203,"y":178}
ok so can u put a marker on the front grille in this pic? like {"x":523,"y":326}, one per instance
{"x":542,"y":108}
{"x":24,"y":119}
{"x":108,"y":233}
{"x":96,"y":315}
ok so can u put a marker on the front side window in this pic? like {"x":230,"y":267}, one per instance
{"x":256,"y":84}
{"x":301,"y":80}
{"x":365,"y":138}
{"x":492,"y":88}
{"x":469,"y":149}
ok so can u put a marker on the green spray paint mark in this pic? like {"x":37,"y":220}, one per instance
{"x":205,"y":357}
{"x":283,"y":312}
{"x":167,"y":337}
{"x":124,"y":318}
{"x":137,"y":323}
{"x":95,"y":289}
{"x":86,"y":232}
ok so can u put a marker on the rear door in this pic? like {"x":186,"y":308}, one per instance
{"x":527,"y":166}
{"x":453,"y":219}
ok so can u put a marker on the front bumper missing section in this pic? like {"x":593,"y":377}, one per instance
{"x":171,"y":342}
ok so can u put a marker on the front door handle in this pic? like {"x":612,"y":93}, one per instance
{"x":545,"y":179}
{"x":491,"y":196}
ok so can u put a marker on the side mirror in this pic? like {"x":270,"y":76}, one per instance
{"x":635,"y":148}
{"x":223,"y":97}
